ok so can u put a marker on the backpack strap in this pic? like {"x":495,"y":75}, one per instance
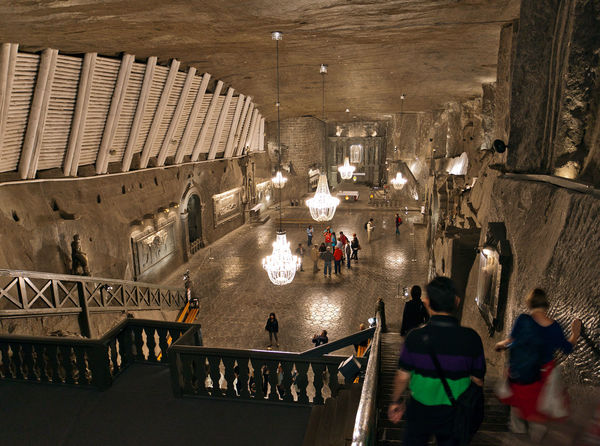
{"x":440,"y":372}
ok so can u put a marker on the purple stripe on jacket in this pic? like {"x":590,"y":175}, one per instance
{"x":451,"y":363}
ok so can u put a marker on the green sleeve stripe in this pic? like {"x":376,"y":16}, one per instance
{"x":430,"y":391}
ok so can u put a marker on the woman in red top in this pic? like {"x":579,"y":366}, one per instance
{"x":337,"y":259}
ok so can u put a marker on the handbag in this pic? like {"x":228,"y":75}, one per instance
{"x":468,"y":407}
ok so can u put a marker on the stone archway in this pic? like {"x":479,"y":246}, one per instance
{"x":191,"y":218}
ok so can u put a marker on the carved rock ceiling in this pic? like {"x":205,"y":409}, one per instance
{"x":435,"y":51}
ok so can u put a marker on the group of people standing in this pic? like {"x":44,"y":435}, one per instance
{"x":337,"y":250}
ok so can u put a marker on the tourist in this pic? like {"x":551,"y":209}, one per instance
{"x":273,"y":328}
{"x":322,"y":248}
{"x":309,"y":234}
{"x":327,"y":234}
{"x":370,"y":228}
{"x":320,"y":339}
{"x":414,"y":313}
{"x":533,"y":340}
{"x":361,"y":347}
{"x":459,"y":354}
{"x":343,"y":238}
{"x":347,"y":254}
{"x":337,"y":257}
{"x":327,"y":257}
{"x":398,"y":222}
{"x":300,"y":253}
{"x":333,"y":239}
{"x":314,"y":254}
{"x":355,"y":245}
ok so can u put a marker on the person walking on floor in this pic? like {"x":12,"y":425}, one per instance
{"x":273,"y":328}
{"x":370,"y":228}
{"x":322,"y":248}
{"x":333,"y":239}
{"x":355,"y":245}
{"x":309,"y":235}
{"x":414,"y":313}
{"x":327,"y":257}
{"x":398,"y":222}
{"x":314,"y":255}
{"x":320,"y":339}
{"x":343,"y":238}
{"x":327,"y":235}
{"x":337,"y":257}
{"x":440,"y":351}
{"x":300,"y":251}
{"x":347,"y":254}
{"x":533,"y":340}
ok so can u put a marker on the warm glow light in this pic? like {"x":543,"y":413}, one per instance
{"x":347,"y":170}
{"x":322,"y":206}
{"x":281,"y":266}
{"x":458,"y":165}
{"x":399,"y":181}
{"x":278,"y":180}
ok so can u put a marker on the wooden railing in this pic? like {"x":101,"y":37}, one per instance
{"x":88,"y":362}
{"x":28,"y":293}
{"x":365,"y":426}
{"x":257,"y":375}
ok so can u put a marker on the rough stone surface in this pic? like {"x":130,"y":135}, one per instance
{"x":372,"y":47}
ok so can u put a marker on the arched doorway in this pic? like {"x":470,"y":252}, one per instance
{"x":194,"y":212}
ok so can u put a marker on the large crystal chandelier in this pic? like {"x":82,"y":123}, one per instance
{"x":278,"y":180}
{"x":281,"y":266}
{"x":347,"y":170}
{"x":399,"y":181}
{"x":322,"y":206}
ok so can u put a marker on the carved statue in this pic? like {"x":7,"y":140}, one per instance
{"x":78,"y":257}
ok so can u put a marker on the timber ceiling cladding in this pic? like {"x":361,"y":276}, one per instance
{"x":59,"y":112}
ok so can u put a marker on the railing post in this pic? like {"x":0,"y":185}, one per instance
{"x":175,"y":372}
{"x":381,"y":311}
{"x":84,"y":315}
{"x":100,"y":368}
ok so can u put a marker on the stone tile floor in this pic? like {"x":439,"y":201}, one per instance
{"x":236,"y":295}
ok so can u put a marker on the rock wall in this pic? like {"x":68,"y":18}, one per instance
{"x":303,"y":147}
{"x":545,"y":101}
{"x":39,"y":219}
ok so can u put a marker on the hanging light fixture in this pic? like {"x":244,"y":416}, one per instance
{"x":347,"y":170}
{"x":322,"y":206}
{"x":281,"y":265}
{"x":399,"y":181}
{"x":278,"y":180}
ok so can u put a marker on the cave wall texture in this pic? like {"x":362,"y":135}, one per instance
{"x":38,"y":219}
{"x":544,"y":104}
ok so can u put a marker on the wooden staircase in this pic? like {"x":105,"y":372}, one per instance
{"x":389,"y":434}
{"x":332,"y":424}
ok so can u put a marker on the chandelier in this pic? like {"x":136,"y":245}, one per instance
{"x":399,"y":181}
{"x":347,"y":170}
{"x":281,"y":266}
{"x":322,"y":206}
{"x":278,"y":180}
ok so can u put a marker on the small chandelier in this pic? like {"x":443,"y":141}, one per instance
{"x":322,"y":206}
{"x":281,"y":266}
{"x":399,"y":181}
{"x":278,"y":180}
{"x":347,"y":170}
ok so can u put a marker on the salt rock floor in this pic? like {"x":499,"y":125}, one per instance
{"x":236,"y":295}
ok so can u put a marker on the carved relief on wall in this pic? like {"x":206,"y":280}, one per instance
{"x":227,"y":205}
{"x":153,"y":245}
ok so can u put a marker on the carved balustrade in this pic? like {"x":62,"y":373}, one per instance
{"x":88,"y":362}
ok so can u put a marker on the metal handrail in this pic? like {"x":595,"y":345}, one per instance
{"x":364,"y":426}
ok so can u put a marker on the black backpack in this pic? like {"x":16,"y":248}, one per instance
{"x":366,"y":225}
{"x":525,"y":353}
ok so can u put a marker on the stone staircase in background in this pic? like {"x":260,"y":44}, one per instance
{"x":494,"y":424}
